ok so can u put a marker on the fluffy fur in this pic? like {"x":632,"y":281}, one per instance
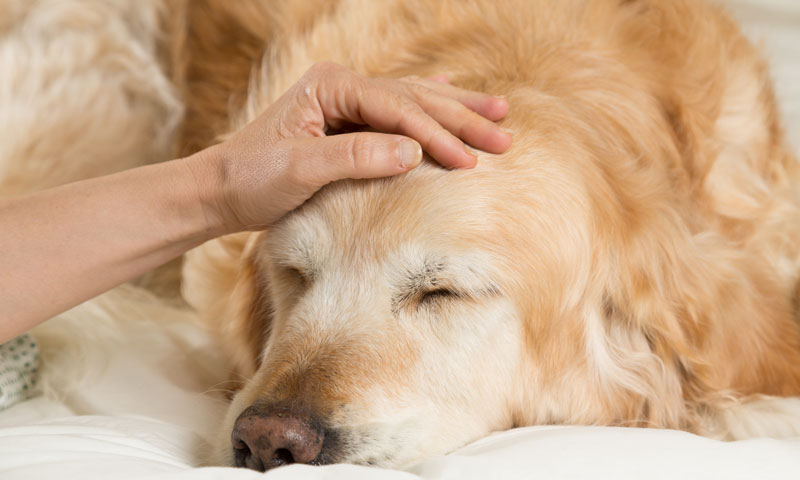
{"x":632,"y":260}
{"x":85,"y":91}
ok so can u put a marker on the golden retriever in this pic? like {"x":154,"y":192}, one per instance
{"x":632,"y":260}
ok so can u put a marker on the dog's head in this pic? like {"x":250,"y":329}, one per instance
{"x":596,"y":273}
{"x":386,"y":326}
{"x":388,"y":320}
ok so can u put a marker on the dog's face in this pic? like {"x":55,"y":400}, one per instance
{"x":401,"y":318}
{"x":391,"y":320}
{"x":391,"y":334}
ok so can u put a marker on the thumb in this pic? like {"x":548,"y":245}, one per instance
{"x":359,"y":155}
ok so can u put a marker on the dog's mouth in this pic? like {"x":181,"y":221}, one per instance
{"x":267,"y":436}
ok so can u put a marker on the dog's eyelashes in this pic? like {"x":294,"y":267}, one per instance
{"x":293,"y":272}
{"x":437,"y":294}
{"x":297,"y":275}
{"x":418,"y":298}
{"x":298,"y":272}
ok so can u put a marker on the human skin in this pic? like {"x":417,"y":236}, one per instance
{"x":62,"y":246}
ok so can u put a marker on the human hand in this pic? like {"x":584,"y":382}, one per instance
{"x":283,"y":157}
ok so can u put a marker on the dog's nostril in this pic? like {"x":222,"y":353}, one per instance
{"x":284,"y":455}
{"x":241,"y":454}
{"x":263,"y":440}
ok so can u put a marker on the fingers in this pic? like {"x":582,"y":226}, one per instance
{"x":432,"y":112}
{"x":353,"y":155}
{"x":485,"y":105}
{"x":386,"y":111}
{"x":457,"y":118}
{"x":440,"y":78}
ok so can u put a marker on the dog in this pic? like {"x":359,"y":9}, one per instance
{"x":632,"y":260}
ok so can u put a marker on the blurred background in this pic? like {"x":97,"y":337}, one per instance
{"x":775,"y":25}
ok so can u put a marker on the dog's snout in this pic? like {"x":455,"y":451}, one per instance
{"x":267,"y":438}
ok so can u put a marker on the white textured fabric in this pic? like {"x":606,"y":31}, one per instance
{"x":19,"y":363}
{"x":126,"y":447}
{"x":137,"y":409}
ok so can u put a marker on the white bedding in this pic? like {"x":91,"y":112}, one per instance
{"x":137,"y":407}
{"x":143,"y":416}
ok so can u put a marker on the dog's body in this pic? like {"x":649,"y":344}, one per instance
{"x":632,"y":260}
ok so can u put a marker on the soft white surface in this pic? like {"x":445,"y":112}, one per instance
{"x":126,"y":447}
{"x":137,"y":407}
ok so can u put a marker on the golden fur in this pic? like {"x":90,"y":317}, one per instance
{"x":632,"y":260}
{"x":85,"y":91}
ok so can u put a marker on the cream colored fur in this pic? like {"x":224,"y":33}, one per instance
{"x":84,"y":92}
{"x":632,"y":260}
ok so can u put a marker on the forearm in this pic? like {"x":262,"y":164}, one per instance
{"x":62,"y":246}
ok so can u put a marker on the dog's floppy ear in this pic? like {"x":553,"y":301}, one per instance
{"x":223,"y":283}
{"x":699,"y":318}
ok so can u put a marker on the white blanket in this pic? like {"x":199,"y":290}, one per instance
{"x":131,"y":401}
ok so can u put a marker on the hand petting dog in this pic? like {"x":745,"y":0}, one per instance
{"x":62,"y":246}
{"x":279,"y":160}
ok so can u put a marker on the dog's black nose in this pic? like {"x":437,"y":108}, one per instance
{"x":265,"y":438}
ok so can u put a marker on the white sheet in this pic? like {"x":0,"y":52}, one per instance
{"x":127,"y":447}
{"x":136,"y":407}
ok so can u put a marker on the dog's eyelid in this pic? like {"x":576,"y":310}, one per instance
{"x":464,"y":285}
{"x":437,"y":292}
{"x":297,"y":259}
{"x":448,"y":289}
{"x":298,"y":272}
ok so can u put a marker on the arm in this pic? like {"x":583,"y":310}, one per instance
{"x":62,"y":246}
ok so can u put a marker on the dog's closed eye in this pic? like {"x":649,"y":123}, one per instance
{"x":432,"y":297}
{"x":303,"y":278}
{"x":437,"y":294}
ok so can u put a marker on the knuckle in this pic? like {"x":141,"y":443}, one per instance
{"x":295,"y":167}
{"x":418,"y":91}
{"x":409,"y":105}
{"x":305,"y":88}
{"x":359,"y":154}
{"x":413,"y":114}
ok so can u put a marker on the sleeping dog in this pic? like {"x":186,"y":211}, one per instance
{"x":632,"y":260}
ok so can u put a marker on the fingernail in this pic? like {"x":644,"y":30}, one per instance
{"x":506,"y":131}
{"x":473,"y":159}
{"x":410,"y":153}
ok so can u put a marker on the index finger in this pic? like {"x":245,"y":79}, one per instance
{"x":388,"y":111}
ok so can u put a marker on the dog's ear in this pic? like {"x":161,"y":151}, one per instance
{"x":692,"y":318}
{"x":223,"y":283}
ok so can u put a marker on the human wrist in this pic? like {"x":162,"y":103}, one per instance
{"x":206,"y":169}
